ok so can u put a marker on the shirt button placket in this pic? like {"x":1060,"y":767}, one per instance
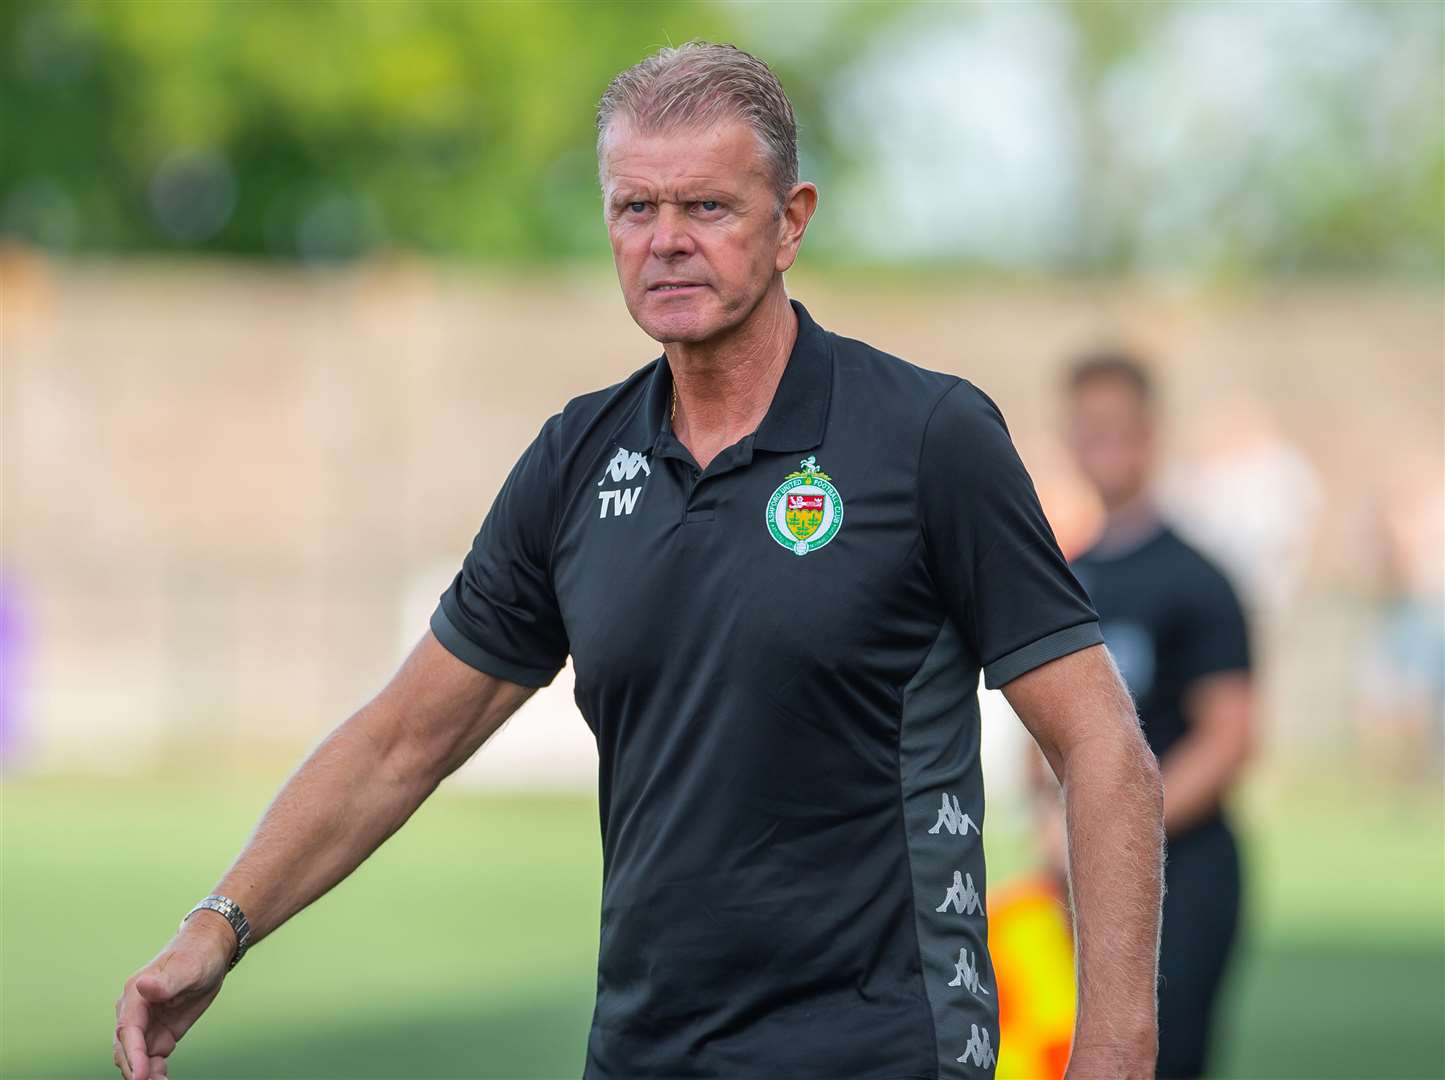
{"x":694,"y":476}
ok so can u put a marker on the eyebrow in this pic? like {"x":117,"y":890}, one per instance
{"x":623,"y":196}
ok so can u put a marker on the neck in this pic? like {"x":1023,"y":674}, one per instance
{"x":725,"y":385}
{"x":1127,"y":523}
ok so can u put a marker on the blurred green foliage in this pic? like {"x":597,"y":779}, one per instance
{"x":328,"y":128}
{"x":445,"y":127}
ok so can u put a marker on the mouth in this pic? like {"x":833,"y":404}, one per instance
{"x":674,"y":287}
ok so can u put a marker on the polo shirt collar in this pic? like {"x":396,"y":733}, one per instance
{"x":798,"y":414}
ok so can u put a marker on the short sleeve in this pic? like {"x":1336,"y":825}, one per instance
{"x":1216,"y":637}
{"x":500,"y":614}
{"x":990,"y":550}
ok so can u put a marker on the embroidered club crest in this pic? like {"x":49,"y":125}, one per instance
{"x":806,"y":510}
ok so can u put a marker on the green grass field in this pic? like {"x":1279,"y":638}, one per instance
{"x":467,"y":946}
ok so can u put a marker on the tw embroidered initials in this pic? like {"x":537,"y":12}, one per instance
{"x":624,"y":465}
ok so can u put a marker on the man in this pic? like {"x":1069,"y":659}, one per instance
{"x":778,"y":559}
{"x":1177,"y":630}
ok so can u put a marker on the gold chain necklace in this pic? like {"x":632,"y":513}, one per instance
{"x":673,"y":415}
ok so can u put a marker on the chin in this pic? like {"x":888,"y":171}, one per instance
{"x":687,"y":326}
{"x":686,"y":335}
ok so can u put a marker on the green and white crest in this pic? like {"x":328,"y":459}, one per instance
{"x":806,"y":510}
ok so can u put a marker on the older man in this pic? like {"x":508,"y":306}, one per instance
{"x":779,"y":559}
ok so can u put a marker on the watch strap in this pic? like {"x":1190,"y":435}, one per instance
{"x":232,"y":913}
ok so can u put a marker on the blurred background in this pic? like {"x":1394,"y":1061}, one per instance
{"x":287,"y":287}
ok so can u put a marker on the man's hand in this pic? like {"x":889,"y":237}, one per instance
{"x":162,"y":1000}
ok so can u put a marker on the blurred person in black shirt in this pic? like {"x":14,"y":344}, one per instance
{"x":1178,"y":633}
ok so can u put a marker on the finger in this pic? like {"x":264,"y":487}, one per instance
{"x":161,"y":1040}
{"x":133,"y":1047}
{"x":156,"y":987}
{"x":158,"y":1067}
{"x":132,"y":1011}
{"x":118,"y":1056}
{"x":132,"y":1017}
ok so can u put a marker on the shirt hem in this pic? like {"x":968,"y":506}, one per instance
{"x":1040,"y":651}
{"x":473,"y":655}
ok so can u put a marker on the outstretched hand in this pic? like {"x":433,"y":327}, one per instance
{"x":161,"y":1001}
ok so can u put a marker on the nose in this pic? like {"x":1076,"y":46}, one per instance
{"x":670,"y":235}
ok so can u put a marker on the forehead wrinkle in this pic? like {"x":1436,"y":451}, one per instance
{"x":645,"y":148}
{"x":673,"y":185}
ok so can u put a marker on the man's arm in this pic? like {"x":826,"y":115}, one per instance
{"x":1201,"y":767}
{"x":353,"y":791}
{"x":1079,"y":711}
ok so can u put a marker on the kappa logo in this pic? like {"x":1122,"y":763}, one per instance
{"x":805,"y":511}
{"x":625,"y":465}
{"x":965,"y":973}
{"x":963,"y":896}
{"x":979,"y":1050}
{"x":952,"y":818}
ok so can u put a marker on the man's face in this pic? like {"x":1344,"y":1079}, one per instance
{"x":1111,"y":437}
{"x":692,"y":216}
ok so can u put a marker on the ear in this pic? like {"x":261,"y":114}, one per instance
{"x":793,"y":222}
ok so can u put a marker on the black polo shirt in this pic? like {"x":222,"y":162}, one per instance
{"x":1170,"y":618}
{"x":779,"y":657}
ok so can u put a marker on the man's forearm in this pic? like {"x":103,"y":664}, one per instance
{"x":353,"y":791}
{"x":1199,"y":768}
{"x":363,"y":782}
{"x":1197,"y":772}
{"x":1114,"y":810}
{"x":340,"y":804}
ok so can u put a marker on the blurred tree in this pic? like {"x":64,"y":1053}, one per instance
{"x":1191,"y":135}
{"x":327,"y":128}
{"x":1289,"y":136}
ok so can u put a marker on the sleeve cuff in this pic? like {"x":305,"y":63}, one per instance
{"x":473,"y":655}
{"x":1049,"y":647}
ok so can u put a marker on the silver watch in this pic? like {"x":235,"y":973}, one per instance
{"x":225,"y":906}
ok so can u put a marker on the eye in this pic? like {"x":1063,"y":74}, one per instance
{"x":637,"y":207}
{"x":709,"y":205}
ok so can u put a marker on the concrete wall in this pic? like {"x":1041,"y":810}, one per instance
{"x":232,"y":493}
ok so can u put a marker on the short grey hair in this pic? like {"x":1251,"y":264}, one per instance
{"x":699,"y":83}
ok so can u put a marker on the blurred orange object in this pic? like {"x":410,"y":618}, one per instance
{"x":1032,"y":946}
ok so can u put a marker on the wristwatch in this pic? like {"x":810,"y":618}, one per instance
{"x":225,"y":906}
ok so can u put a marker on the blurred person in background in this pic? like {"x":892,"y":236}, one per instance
{"x":1401,"y":719}
{"x":785,"y":703}
{"x":1244,"y":493}
{"x":1178,"y":633}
